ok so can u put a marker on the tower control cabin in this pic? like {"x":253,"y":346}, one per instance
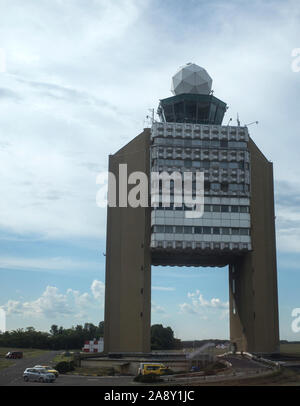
{"x":237,"y":227}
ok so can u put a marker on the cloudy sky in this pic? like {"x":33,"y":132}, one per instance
{"x":77,"y":79}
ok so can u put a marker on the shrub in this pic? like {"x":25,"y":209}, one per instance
{"x":65,"y":366}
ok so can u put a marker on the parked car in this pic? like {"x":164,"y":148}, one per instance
{"x":14,"y":354}
{"x":48,"y":369}
{"x":38,"y":374}
{"x":147,"y":368}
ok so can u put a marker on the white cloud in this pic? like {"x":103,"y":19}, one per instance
{"x":81,"y":300}
{"x":13,"y":306}
{"x":53,"y":305}
{"x":58,"y":118}
{"x":78,"y":86}
{"x":48,"y":263}
{"x":288,"y":216}
{"x":50,"y":304}
{"x":98,"y":290}
{"x":163,"y":288}
{"x":157,"y":309}
{"x":200,"y":306}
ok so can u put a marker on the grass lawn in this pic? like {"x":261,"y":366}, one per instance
{"x":27,"y":352}
{"x":5,"y":363}
{"x":93,"y":371}
{"x":61,"y":357}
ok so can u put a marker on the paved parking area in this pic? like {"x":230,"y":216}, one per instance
{"x":13,"y":375}
{"x":77,"y":380}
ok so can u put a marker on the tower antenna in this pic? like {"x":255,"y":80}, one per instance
{"x":151,"y":117}
{"x":253,"y":122}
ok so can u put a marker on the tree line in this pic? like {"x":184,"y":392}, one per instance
{"x":57,"y":339}
{"x":60,"y":338}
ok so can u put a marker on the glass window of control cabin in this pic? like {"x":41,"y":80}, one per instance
{"x":190,"y":110}
{"x":198,"y":230}
{"x":169,"y":229}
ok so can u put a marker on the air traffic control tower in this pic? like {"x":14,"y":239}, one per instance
{"x":236,"y":229}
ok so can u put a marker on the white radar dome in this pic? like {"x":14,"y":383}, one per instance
{"x":191,"y":78}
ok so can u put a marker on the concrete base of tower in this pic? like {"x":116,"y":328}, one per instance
{"x":128,"y":261}
{"x":253,"y":295}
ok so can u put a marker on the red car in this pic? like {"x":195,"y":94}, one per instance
{"x":14,"y":354}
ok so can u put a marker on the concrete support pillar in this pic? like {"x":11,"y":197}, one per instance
{"x":128,"y":263}
{"x":253,"y":295}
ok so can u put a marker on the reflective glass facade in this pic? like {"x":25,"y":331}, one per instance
{"x":192,"y":108}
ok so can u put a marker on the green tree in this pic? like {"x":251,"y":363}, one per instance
{"x":162,"y":338}
{"x":54,"y":329}
{"x":100,"y":329}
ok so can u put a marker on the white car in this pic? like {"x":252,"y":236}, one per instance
{"x":38,"y":374}
{"x":48,"y":369}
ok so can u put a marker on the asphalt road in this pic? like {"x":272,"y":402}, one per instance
{"x":241,"y":364}
{"x":76,"y":380}
{"x":13,"y":375}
